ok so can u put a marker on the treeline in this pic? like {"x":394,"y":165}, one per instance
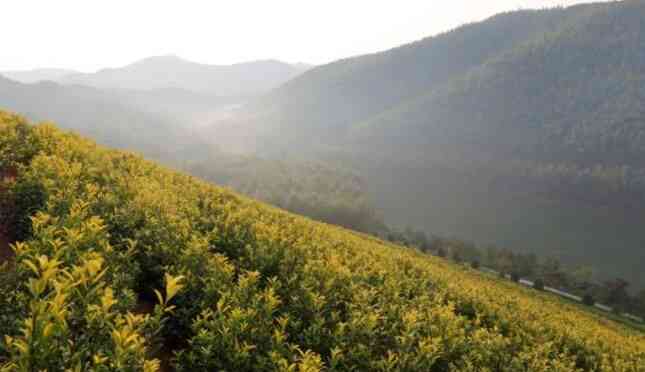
{"x":549,"y":271}
{"x":597,"y":183}
{"x":318,"y":191}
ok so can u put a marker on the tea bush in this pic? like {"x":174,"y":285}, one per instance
{"x":237,"y":285}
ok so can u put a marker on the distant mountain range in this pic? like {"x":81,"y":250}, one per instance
{"x":563,"y":80}
{"x":165,"y":88}
{"x":37,"y":75}
{"x":102,"y":115}
{"x":172,"y":72}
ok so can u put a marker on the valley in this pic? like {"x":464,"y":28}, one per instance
{"x":228,"y":274}
{"x":454,"y":186}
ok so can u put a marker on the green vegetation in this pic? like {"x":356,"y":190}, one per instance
{"x":238,"y":285}
{"x":533,"y":117}
{"x":576,"y":280}
{"x":522,"y":131}
{"x":321,"y":192}
{"x":315,"y":190}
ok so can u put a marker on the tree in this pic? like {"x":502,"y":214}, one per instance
{"x":515,"y":276}
{"x":441,"y":252}
{"x":582,"y":276}
{"x":524,"y":265}
{"x":640,"y":300}
{"x":588,"y":299}
{"x":552,"y":273}
{"x":538,"y":284}
{"x":456,"y":256}
{"x":617,"y":295}
{"x":475,"y":264}
{"x":491,"y":256}
{"x":504,"y":263}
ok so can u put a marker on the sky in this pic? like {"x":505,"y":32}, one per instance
{"x":87,"y":35}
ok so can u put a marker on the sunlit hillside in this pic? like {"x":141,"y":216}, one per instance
{"x":128,"y":266}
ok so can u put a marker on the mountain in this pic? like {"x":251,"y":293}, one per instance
{"x":575,"y":94}
{"x":129,"y":266}
{"x":163,"y":72}
{"x":190,"y":108}
{"x":526,"y":130}
{"x":155,"y":123}
{"x":95,"y":113}
{"x":330,"y":99}
{"x":37,"y":75}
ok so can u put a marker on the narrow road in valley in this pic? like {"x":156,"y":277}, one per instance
{"x":529,"y":283}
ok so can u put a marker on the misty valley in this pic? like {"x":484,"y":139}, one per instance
{"x":387,"y":211}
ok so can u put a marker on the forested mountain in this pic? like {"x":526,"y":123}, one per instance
{"x":573,"y":94}
{"x":334,"y":195}
{"x":37,"y":75}
{"x":330,"y":99}
{"x":154,"y":123}
{"x":526,"y":130}
{"x":162,"y":72}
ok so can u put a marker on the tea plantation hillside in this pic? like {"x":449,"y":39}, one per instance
{"x":128,"y":266}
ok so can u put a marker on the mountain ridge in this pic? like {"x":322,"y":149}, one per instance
{"x":37,"y":75}
{"x":493,"y":132}
{"x":170,"y":71}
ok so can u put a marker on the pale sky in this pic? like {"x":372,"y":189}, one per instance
{"x":90,"y":34}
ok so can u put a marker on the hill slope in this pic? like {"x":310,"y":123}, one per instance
{"x":101,"y":115}
{"x":330,"y":99}
{"x":573,"y":94}
{"x":243,"y":286}
{"x":135,"y":120}
{"x":526,"y":130}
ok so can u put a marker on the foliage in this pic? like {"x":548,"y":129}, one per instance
{"x":588,"y":300}
{"x":240,"y":285}
{"x":515,"y":276}
{"x":316,"y":190}
{"x":526,"y":113}
{"x":538,"y":284}
{"x":475,"y":264}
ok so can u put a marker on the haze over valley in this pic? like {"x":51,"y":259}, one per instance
{"x":439,"y":186}
{"x":533,"y":117}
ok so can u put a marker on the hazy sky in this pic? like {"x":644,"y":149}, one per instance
{"x":91,"y":34}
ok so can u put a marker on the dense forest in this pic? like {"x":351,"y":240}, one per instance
{"x":124,"y":265}
{"x":533,"y":116}
{"x":332,"y":195}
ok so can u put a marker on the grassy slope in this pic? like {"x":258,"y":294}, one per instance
{"x":351,"y":301}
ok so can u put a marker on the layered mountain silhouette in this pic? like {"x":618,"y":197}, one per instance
{"x":526,"y":130}
{"x":559,"y":79}
{"x":37,"y":75}
{"x":180,"y":91}
{"x":104,"y":116}
{"x":163,"y":72}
